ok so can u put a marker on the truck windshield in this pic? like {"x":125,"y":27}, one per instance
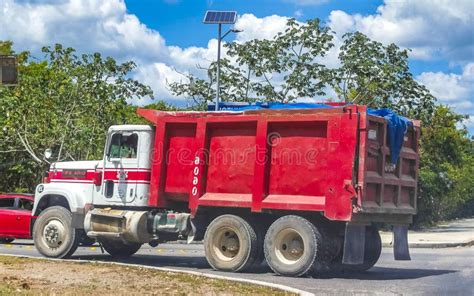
{"x":123,"y":146}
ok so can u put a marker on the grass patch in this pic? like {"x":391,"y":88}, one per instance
{"x":71,"y":278}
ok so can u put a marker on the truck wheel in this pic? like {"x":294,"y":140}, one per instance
{"x":293,"y":246}
{"x":230,"y":244}
{"x":118,"y":248}
{"x":53,"y":233}
{"x":6,"y":240}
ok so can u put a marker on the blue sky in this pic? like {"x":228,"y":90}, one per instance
{"x":167,"y":37}
{"x":173,"y":18}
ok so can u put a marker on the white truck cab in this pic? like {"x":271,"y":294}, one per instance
{"x":122,"y":177}
{"x":125,"y":169}
{"x":77,"y":198}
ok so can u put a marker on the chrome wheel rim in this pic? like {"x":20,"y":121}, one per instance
{"x":54,"y":233}
{"x":289,"y":246}
{"x":226,"y":244}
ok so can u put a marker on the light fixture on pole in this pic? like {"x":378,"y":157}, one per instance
{"x":220,"y":17}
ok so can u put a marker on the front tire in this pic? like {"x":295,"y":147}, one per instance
{"x":230,"y":244}
{"x":53,"y":233}
{"x":293,"y":246}
{"x":120,"y":249}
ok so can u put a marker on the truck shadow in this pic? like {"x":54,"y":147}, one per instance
{"x":199,"y":263}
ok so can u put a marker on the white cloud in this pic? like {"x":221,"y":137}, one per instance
{"x":431,"y":28}
{"x":158,"y":76}
{"x":446,"y":87}
{"x":106,"y":27}
{"x":298,"y":13}
{"x":470,"y":123}
{"x":455,"y":90}
{"x":441,"y":30}
{"x":259,"y":28}
{"x":103,"y":26}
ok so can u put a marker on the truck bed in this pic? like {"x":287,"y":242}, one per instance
{"x":330,"y":160}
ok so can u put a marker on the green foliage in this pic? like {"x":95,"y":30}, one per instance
{"x":289,"y":66}
{"x":281,"y":69}
{"x":446,"y":169}
{"x":65,"y":103}
{"x":379,"y":76}
{"x":6,"y":47}
{"x":294,"y":54}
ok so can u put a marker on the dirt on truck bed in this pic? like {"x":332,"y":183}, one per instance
{"x":25,"y":276}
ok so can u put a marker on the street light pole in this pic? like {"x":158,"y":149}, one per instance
{"x":219,"y":39}
{"x":219,"y":18}
{"x":218,"y":91}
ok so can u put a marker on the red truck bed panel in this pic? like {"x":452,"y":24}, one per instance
{"x":280,"y":159}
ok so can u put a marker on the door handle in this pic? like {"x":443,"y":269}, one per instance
{"x":18,"y":218}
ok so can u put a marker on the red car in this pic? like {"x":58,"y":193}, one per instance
{"x":15,"y":216}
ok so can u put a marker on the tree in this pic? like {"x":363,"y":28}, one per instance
{"x":65,"y":103}
{"x":379,"y":76}
{"x":446,"y":169}
{"x":281,"y":69}
{"x":202,"y":91}
{"x":290,"y":66}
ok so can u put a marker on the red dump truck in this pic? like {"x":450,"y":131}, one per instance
{"x":300,"y":188}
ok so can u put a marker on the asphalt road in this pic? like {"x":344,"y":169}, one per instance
{"x":448,"y":271}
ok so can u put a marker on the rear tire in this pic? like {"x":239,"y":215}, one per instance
{"x":230,"y":244}
{"x":53,"y":233}
{"x":6,"y":240}
{"x":120,"y":249}
{"x":293,"y":246}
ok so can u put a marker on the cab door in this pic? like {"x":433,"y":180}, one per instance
{"x":121,"y":163}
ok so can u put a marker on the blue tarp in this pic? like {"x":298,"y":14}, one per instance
{"x":397,"y":128}
{"x":397,"y":125}
{"x":242,"y":106}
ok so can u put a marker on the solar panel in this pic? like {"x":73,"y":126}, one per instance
{"x":220,"y":17}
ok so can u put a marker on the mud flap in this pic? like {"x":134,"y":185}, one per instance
{"x":354,"y":244}
{"x":400,"y":242}
{"x":77,"y":220}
